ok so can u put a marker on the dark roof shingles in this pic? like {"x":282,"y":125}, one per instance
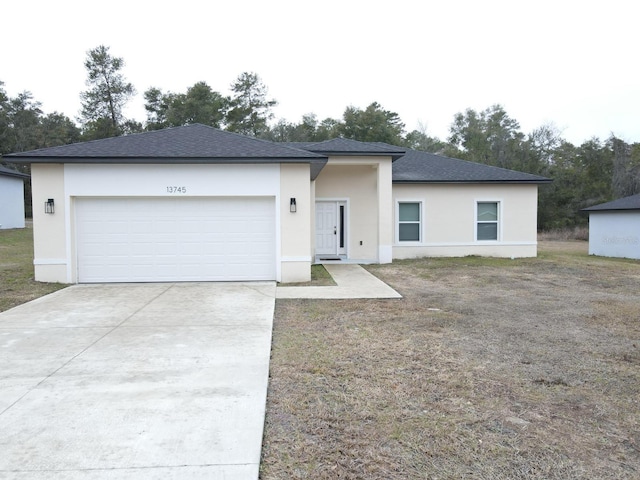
{"x":191,"y":141}
{"x":348,"y":146}
{"x":631,"y":202}
{"x":422,"y":167}
{"x":207,"y":143}
{"x":8,"y":172}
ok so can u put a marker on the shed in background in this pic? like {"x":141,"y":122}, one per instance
{"x":11,"y":198}
{"x":614,"y":228}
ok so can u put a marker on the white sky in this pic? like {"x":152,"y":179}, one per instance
{"x":573,"y":63}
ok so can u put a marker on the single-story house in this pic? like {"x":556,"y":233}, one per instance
{"x":614,"y":228}
{"x":195,"y":203}
{"x":11,"y":198}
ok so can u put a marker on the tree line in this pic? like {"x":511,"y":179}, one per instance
{"x":594,"y":172}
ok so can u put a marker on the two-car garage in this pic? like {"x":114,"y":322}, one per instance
{"x":163,"y":239}
{"x":183,"y":204}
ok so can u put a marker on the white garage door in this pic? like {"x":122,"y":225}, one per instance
{"x":175,"y":239}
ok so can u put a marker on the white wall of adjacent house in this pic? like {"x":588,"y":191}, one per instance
{"x":115,"y":222}
{"x":11,"y":202}
{"x":448,"y":220}
{"x":615,"y":234}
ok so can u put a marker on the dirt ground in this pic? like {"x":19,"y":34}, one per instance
{"x":486,"y":369}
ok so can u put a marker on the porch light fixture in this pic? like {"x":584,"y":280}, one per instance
{"x":293,"y":208}
{"x":49,"y":206}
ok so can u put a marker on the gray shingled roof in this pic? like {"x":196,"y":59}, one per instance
{"x":631,"y":202}
{"x":188,"y":142}
{"x":422,"y":167}
{"x":345,"y":146}
{"x":202,"y":144}
{"x":8,"y":172}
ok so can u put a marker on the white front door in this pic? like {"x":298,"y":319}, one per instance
{"x":331,"y":227}
{"x":326,"y":228}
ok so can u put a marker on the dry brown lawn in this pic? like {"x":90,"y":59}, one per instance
{"x":486,"y":369}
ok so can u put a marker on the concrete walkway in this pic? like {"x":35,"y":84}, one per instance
{"x":144,"y":381}
{"x":353,"y":282}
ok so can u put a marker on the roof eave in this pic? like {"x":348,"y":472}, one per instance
{"x":394,"y":155}
{"x":20,"y":175}
{"x":180,"y":160}
{"x":512,"y":182}
{"x":316,"y":163}
{"x":598,"y":210}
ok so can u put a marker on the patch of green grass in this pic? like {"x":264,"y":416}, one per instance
{"x":17,"y":284}
{"x":471,"y":261}
{"x":319,"y":274}
{"x":319,"y":278}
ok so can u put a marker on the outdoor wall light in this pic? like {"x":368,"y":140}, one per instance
{"x":293,"y":208}
{"x":48,"y":206}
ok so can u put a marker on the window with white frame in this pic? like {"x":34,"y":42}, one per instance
{"x":487,"y":220}
{"x":409,"y":221}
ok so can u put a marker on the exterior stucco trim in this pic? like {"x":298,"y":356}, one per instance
{"x":50,"y":261}
{"x":296,"y":259}
{"x":469,"y":244}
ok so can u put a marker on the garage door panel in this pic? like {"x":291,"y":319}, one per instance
{"x":141,"y":227}
{"x":175,"y":239}
{"x":142,"y":249}
{"x":93,"y":227}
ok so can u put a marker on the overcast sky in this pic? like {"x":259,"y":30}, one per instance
{"x":572,"y":63}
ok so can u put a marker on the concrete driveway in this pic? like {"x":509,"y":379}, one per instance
{"x":145,"y":381}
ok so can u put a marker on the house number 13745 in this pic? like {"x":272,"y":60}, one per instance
{"x":176,"y":189}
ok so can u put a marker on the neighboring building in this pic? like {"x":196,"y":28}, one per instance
{"x":195,"y":203}
{"x":614,"y":228}
{"x":11,"y":198}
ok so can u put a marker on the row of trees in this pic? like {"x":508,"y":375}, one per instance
{"x":593,"y":172}
{"x":23,"y":126}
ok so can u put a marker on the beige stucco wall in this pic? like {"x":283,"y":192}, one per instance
{"x":49,"y":230}
{"x":385,"y":212}
{"x":295,"y":234}
{"x":448,"y":223}
{"x":54,"y":249}
{"x":365,"y":184}
{"x":312,"y":218}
